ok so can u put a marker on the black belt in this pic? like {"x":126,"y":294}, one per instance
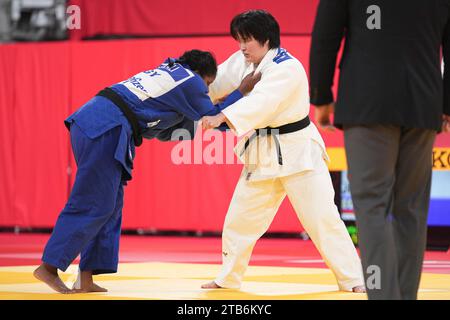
{"x":287,"y":128}
{"x":129,"y":114}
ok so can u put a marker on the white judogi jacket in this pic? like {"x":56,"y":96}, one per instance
{"x":281,"y":97}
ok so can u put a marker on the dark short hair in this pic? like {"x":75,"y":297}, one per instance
{"x":259,"y":24}
{"x":202,"y":62}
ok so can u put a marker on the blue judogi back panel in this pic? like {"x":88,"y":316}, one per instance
{"x":163,"y":99}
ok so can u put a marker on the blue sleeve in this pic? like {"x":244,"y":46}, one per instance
{"x":186,"y":124}
{"x":230,"y":99}
{"x":200,"y":103}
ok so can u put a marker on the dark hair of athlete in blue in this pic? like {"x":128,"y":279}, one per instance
{"x":201,"y":62}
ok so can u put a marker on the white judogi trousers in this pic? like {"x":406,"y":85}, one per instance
{"x":254,"y":205}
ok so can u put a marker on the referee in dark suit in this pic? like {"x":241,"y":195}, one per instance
{"x":392,"y":100}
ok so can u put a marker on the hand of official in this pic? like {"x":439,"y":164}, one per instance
{"x":249,"y":82}
{"x":322,"y":117}
{"x":209,"y":122}
{"x":445,"y":123}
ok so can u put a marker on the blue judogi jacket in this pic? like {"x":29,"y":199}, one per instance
{"x":164,"y":99}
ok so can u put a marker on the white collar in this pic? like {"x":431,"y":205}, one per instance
{"x":272,"y":53}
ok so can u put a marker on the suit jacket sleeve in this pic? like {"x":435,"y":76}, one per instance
{"x":328,"y":30}
{"x":446,"y":55}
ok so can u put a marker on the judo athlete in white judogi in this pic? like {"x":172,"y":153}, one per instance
{"x":289,"y":160}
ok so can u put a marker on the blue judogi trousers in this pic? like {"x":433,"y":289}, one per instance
{"x":90,"y":222}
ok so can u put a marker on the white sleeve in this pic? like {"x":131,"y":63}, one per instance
{"x":275,"y":86}
{"x":229,"y":76}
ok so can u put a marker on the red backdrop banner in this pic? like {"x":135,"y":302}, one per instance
{"x":163,"y":18}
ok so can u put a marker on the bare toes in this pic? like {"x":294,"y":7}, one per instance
{"x":359,"y":289}
{"x":211,"y":285}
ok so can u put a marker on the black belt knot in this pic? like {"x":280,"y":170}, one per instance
{"x":287,"y":128}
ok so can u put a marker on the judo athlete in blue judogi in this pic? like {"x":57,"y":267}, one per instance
{"x":104,"y":133}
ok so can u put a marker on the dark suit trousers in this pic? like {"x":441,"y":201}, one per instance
{"x":390,"y":180}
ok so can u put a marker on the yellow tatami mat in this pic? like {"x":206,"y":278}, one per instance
{"x":180,"y":281}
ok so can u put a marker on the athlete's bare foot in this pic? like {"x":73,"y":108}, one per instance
{"x":85,"y":283}
{"x":92,"y":288}
{"x":49,"y":275}
{"x":359,"y":289}
{"x":211,"y":285}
